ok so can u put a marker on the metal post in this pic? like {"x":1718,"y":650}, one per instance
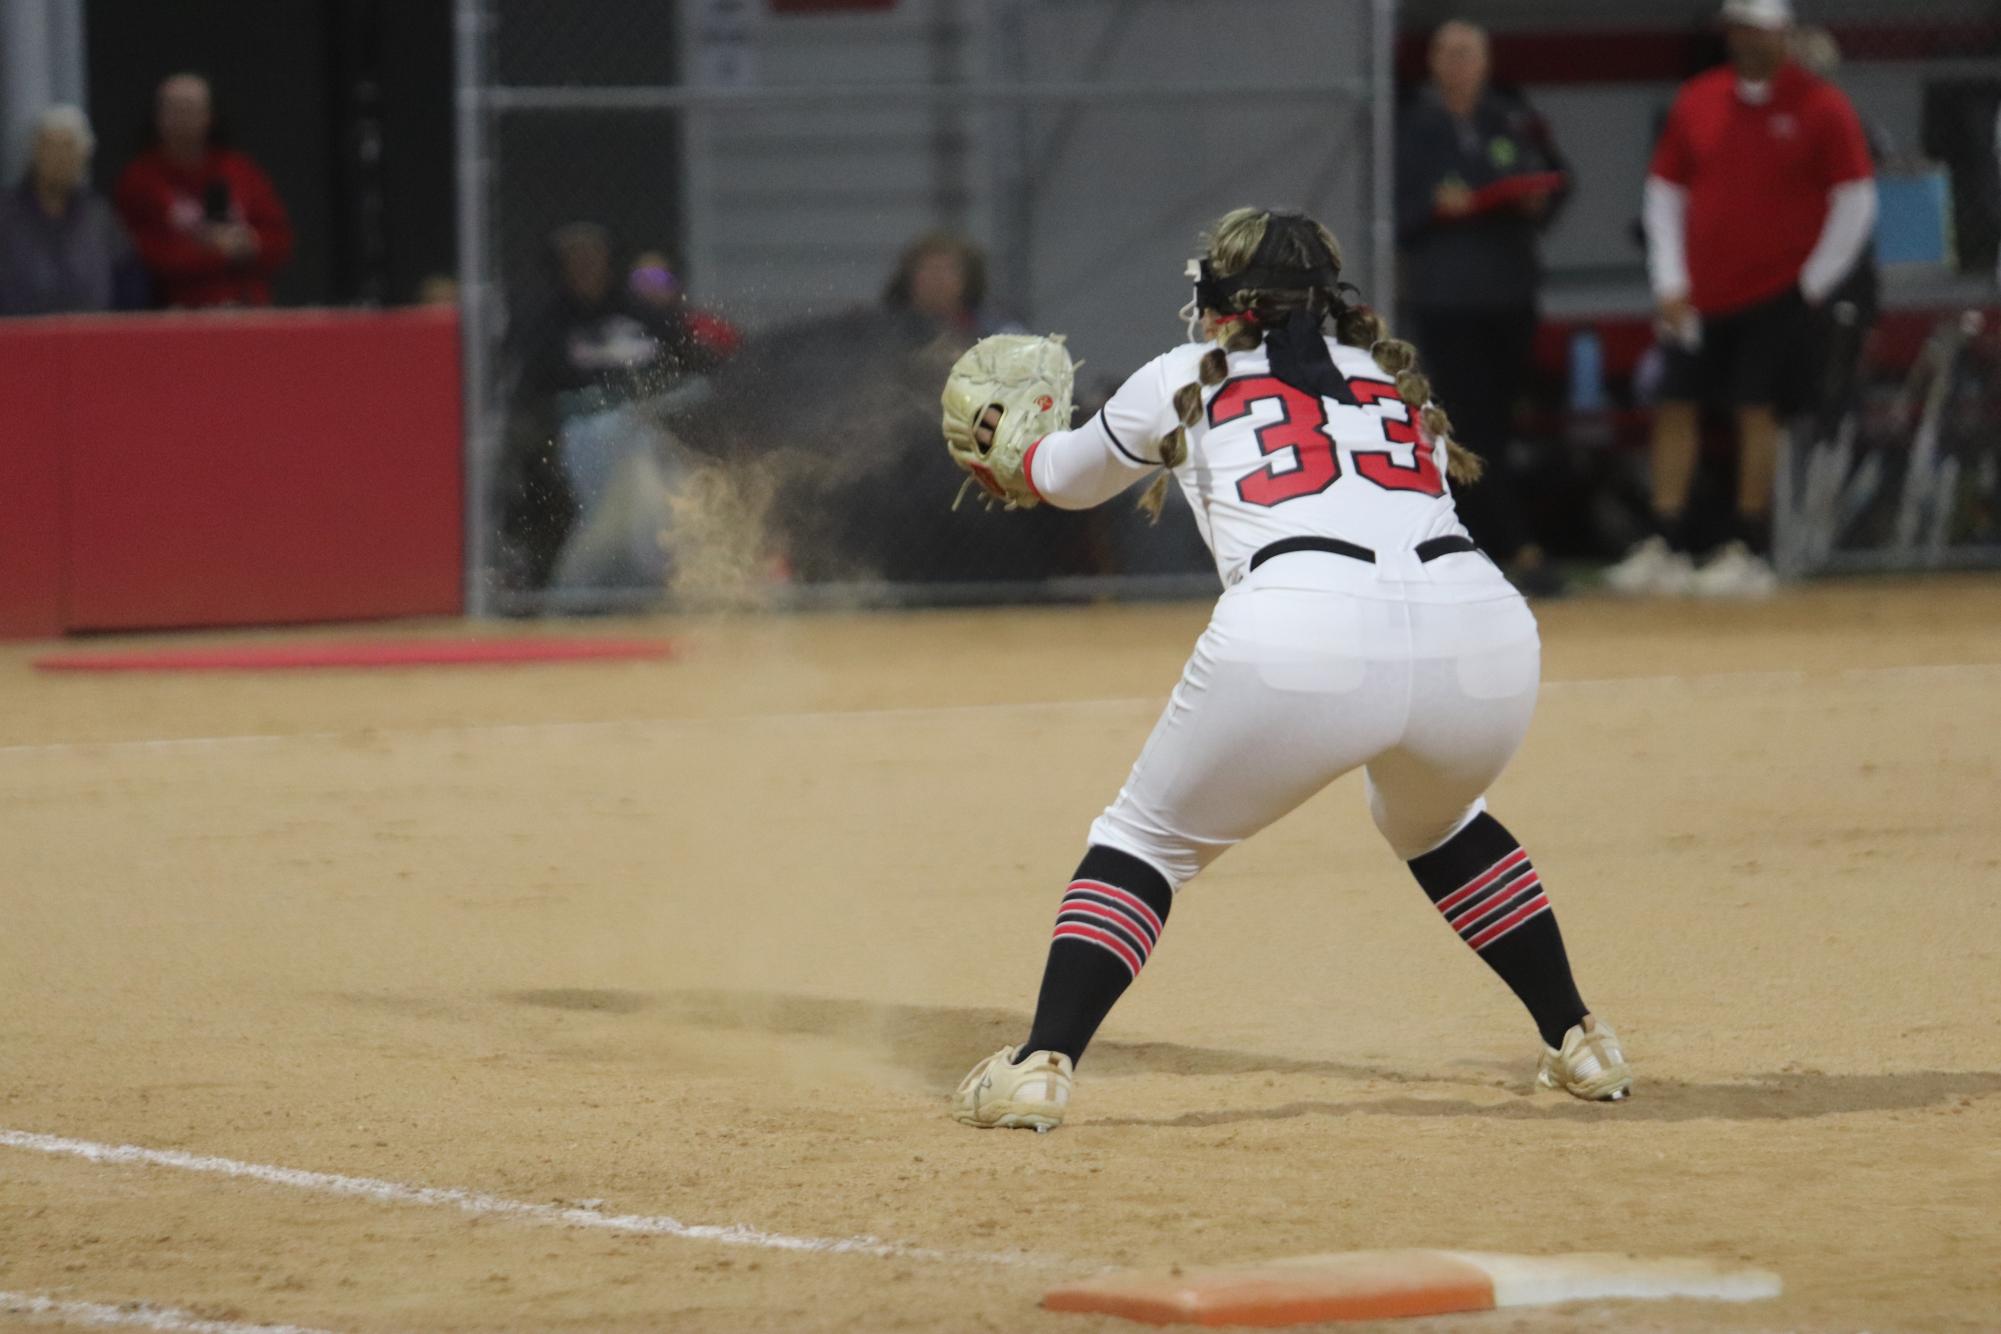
{"x":701,"y":225}
{"x":1382,"y":125}
{"x":476,"y":308}
{"x":950,"y":197}
{"x":1014,"y":213}
{"x":41,"y":61}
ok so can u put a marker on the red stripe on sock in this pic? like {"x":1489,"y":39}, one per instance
{"x":1103,"y":938}
{"x":1538,"y":904}
{"x":1124,"y":924}
{"x":1484,"y":879}
{"x":1488,"y":902}
{"x":1131,"y":900}
{"x":1132,"y":920}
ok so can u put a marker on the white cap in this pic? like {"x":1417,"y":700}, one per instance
{"x":1772,"y":15}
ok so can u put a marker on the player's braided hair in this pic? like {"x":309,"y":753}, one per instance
{"x":1232,"y":246}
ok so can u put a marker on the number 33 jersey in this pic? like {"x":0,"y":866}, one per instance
{"x":1266,"y":461}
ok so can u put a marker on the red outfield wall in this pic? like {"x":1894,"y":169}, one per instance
{"x":240,"y":469}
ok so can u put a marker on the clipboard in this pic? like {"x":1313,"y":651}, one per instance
{"x":1514,"y":189}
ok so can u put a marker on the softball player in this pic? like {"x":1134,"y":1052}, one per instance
{"x":1359,"y":627}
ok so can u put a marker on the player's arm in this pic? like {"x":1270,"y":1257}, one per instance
{"x":1076,"y":470}
{"x":1085,"y":467}
{"x":1666,"y":215}
{"x":1666,"y":219}
{"x":1851,"y":201}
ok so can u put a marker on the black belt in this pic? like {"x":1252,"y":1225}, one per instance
{"x":1334,"y":546}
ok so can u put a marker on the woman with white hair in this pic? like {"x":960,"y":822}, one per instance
{"x":62,"y":249}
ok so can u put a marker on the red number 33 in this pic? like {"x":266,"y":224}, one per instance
{"x":1302,"y":429}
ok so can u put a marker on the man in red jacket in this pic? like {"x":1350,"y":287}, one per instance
{"x":205,"y":219}
{"x":1759,"y":204}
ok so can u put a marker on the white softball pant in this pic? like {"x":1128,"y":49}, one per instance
{"x":1290,"y":688}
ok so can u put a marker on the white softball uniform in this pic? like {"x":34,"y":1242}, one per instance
{"x":1422,"y":671}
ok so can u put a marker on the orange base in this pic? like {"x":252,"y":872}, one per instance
{"x":1358,"y":1285}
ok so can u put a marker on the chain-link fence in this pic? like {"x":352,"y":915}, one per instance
{"x":719,"y":254}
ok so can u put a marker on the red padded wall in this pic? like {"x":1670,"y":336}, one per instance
{"x":34,"y":435}
{"x":232,"y":469}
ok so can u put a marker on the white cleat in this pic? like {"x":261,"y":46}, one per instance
{"x":1734,"y":572}
{"x":1001,"y":1095}
{"x":1651,"y":569}
{"x":1590,"y":1065}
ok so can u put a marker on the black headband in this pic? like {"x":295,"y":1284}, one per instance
{"x":1264,"y":274}
{"x":1295,"y":346}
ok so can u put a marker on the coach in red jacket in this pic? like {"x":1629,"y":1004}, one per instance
{"x":206,"y":220}
{"x":1759,"y":204}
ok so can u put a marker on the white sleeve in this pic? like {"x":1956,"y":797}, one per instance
{"x":1851,"y":220}
{"x":1667,"y":238}
{"x":1077,"y":469}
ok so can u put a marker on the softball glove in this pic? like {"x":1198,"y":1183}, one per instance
{"x":1030,"y":379}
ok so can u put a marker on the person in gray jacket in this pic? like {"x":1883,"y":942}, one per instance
{"x":62,"y":249}
{"x":1478,"y":179}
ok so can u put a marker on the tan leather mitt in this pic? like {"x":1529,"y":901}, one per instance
{"x":1030,"y":379}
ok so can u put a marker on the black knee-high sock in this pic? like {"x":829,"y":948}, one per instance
{"x":1755,"y":532}
{"x":1673,"y":528}
{"x":1110,"y":920}
{"x":1488,"y":890}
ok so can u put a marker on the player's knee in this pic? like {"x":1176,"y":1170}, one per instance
{"x":1176,"y":856}
{"x":1412,"y":831}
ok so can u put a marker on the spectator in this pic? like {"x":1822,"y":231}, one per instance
{"x":1478,"y":178}
{"x":579,"y":362}
{"x":942,"y":277}
{"x":1759,"y":204}
{"x":61,"y":248}
{"x":840,"y":411}
{"x":654,"y":284}
{"x":205,"y":218}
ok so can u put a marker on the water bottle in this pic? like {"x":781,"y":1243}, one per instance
{"x":1587,"y":373}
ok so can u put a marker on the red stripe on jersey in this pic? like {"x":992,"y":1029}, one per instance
{"x":1102,"y":938}
{"x":1117,"y":919}
{"x":1133,"y":901}
{"x":1536,"y":905}
{"x":1484,"y":879}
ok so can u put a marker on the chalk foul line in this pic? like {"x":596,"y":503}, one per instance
{"x":132,"y":1315}
{"x":1704,"y":681}
{"x":494,"y":1206}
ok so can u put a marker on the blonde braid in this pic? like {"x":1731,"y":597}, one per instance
{"x":1173,"y":446}
{"x":1245,"y":228}
{"x":1231,"y":246}
{"x":1358,"y":326}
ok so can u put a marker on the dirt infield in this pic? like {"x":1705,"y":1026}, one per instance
{"x":706,"y":942}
